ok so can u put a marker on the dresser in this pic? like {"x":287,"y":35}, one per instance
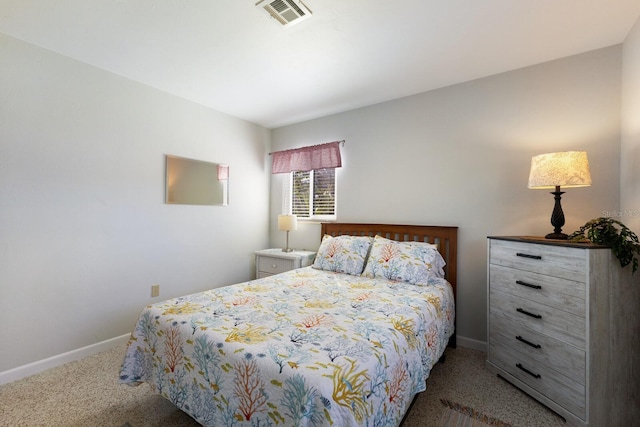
{"x":564,"y":325}
{"x":274,"y":261}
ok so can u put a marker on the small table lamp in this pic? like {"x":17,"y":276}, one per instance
{"x":287,"y":223}
{"x":555,"y":170}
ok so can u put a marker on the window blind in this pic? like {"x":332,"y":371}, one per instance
{"x":314,"y":193}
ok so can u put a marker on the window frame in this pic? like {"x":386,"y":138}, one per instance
{"x":288,"y":199}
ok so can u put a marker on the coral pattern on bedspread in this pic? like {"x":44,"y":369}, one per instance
{"x":305,"y":348}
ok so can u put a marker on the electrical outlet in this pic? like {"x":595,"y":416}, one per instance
{"x":155,"y":290}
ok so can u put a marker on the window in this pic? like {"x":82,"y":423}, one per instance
{"x":313,"y":194}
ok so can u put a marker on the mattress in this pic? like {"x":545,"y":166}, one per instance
{"x":307,"y":347}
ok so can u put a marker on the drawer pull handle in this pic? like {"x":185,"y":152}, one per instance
{"x":519,"y":338}
{"x":274,"y":265}
{"x":528,"y":371}
{"x":528,"y":285}
{"x":537,"y":316}
{"x":520,"y":254}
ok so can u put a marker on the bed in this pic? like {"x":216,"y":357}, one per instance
{"x":349,"y":341}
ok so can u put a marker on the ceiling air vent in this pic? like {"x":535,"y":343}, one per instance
{"x":286,"y":12}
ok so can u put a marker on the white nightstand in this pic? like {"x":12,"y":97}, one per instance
{"x":274,"y":261}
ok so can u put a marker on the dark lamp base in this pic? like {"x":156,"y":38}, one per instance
{"x":557,"y":236}
{"x":557,"y":217}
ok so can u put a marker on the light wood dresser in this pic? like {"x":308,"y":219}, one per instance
{"x":564,"y":327}
{"x":274,"y":261}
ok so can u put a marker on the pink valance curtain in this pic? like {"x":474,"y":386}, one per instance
{"x":223,"y":172}
{"x":307,"y":158}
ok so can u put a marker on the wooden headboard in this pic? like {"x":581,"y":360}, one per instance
{"x":444,"y":236}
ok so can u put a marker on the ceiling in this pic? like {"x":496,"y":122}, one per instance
{"x":231,"y":56}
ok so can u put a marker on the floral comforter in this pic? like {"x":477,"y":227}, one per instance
{"x":306,"y":348}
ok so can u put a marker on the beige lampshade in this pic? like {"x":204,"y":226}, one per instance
{"x":287,"y":222}
{"x":565,"y":169}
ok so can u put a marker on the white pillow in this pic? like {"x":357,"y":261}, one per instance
{"x":411,"y":262}
{"x":343,"y":254}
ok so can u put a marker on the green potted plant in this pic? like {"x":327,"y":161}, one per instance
{"x":610,"y":232}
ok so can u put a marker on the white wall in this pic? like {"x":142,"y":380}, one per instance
{"x":630,"y":160}
{"x":84,"y":230}
{"x":461,"y":155}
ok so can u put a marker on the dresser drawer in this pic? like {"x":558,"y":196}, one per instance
{"x":543,"y":349}
{"x":271,"y":265}
{"x":557,"y":261}
{"x":562,"y":294}
{"x":541,"y":318}
{"x":562,"y":390}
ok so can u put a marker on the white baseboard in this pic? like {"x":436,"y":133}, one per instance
{"x":471,"y":343}
{"x":60,"y":359}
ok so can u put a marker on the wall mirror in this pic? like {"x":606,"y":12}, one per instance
{"x":196,"y":182}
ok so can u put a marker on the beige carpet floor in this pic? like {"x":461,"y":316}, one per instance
{"x":87,"y":393}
